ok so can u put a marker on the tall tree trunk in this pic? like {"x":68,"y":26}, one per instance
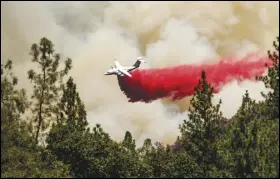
{"x":40,"y":108}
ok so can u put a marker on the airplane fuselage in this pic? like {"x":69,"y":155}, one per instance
{"x":121,"y":71}
{"x":113,"y":71}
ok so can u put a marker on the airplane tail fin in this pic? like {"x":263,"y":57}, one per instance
{"x":138,"y":62}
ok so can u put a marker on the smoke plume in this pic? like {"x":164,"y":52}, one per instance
{"x":166,"y":33}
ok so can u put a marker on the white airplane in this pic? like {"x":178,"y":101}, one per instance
{"x":121,"y":71}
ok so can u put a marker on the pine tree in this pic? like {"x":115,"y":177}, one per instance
{"x":144,"y":152}
{"x":202,"y":131}
{"x":68,"y":137}
{"x":268,"y":125}
{"x":47,"y":84}
{"x":267,"y":144}
{"x":13,"y":104}
{"x":181,"y":165}
{"x":124,"y":160}
{"x":153,"y":158}
{"x":99,"y":153}
{"x":128,"y":142}
{"x":271,"y":81}
{"x":20,"y":158}
{"x":239,"y":145}
{"x":72,"y":109}
{"x":251,"y":146}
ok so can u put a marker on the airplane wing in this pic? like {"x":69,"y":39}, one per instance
{"x":128,"y":68}
{"x":121,"y":69}
{"x":117,"y":64}
{"x":124,"y":71}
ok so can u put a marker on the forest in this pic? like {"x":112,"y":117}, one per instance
{"x":54,"y":139}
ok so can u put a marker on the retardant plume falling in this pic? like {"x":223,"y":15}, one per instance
{"x":177,"y":82}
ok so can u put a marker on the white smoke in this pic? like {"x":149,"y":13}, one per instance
{"x":166,"y":33}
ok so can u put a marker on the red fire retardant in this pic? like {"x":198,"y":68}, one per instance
{"x":147,"y":85}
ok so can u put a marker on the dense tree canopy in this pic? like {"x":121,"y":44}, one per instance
{"x":247,"y":147}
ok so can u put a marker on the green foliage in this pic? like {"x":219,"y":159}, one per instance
{"x":271,"y":81}
{"x":13,"y":102}
{"x":47,"y":84}
{"x":202,"y":131}
{"x":239,"y":143}
{"x":162,"y":162}
{"x":19,"y":156}
{"x":13,"y":105}
{"x":95,"y":155}
{"x":267,"y":156}
{"x":72,"y":108}
{"x":69,"y":134}
{"x":21,"y":162}
{"x":250,"y":147}
{"x":128,"y":142}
